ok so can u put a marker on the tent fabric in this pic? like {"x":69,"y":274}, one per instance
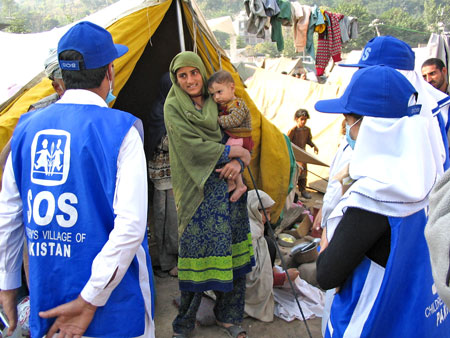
{"x":222,"y":24}
{"x":134,"y":23}
{"x":283,"y":64}
{"x":286,"y":94}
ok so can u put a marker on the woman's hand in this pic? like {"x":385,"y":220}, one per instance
{"x":242,"y":153}
{"x":230,"y":170}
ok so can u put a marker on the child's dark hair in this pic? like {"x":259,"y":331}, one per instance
{"x":221,"y":76}
{"x":301,"y":112}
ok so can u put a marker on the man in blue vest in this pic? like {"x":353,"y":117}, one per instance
{"x":75,"y":186}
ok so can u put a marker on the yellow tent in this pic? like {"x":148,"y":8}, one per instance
{"x":151,"y":31}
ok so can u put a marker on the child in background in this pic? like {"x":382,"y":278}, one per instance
{"x":234,"y":118}
{"x":301,"y":135}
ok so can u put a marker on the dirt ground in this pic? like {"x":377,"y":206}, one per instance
{"x":165,"y":312}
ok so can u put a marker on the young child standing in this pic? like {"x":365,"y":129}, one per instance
{"x":234,"y":118}
{"x":301,"y":135}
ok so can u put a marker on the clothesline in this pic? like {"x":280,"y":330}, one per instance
{"x":334,"y":29}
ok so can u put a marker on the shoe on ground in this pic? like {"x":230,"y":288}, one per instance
{"x":306,"y":194}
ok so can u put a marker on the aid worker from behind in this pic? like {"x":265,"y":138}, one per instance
{"x":75,"y":186}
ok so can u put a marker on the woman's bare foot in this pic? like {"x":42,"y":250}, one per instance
{"x":173,"y":272}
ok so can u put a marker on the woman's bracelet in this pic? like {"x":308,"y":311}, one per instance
{"x":241,"y":163}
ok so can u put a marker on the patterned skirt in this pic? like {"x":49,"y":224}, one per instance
{"x":216,"y":245}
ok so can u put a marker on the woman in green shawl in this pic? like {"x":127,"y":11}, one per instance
{"x":215,"y":250}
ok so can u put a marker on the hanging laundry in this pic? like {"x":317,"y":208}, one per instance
{"x":256,"y":17}
{"x":316,"y":18}
{"x":438,"y":46}
{"x":322,"y":22}
{"x":283,"y":18}
{"x":300,"y":14}
{"x":349,"y":28}
{"x":271,"y":7}
{"x":329,"y":45}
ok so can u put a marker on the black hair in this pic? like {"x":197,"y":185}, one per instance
{"x":83,"y":78}
{"x":301,"y":112}
{"x":434,"y":62}
{"x":221,"y":76}
{"x":355,"y":116}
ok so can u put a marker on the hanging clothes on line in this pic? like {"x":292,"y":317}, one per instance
{"x":281,"y":19}
{"x":316,"y":18}
{"x":256,"y":17}
{"x":271,"y":7}
{"x":329,"y":44}
{"x":349,"y":28}
{"x":300,"y":19}
{"x":333,"y":29}
{"x":438,"y":46}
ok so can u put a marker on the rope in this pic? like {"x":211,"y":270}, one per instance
{"x":326,"y":180}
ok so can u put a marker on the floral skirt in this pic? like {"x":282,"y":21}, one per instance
{"x":216,"y":245}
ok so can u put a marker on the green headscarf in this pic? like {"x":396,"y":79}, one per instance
{"x":194,"y":140}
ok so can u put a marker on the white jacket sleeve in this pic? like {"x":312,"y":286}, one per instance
{"x":11,"y":231}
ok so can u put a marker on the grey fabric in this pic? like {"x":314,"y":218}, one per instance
{"x":166,"y":228}
{"x":437,"y":234}
{"x":271,"y":7}
{"x":46,"y":101}
{"x":256,"y":17}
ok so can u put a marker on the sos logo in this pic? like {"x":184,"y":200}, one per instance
{"x":43,"y":207}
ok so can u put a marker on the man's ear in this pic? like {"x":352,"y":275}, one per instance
{"x":444,"y":70}
{"x":109,"y":71}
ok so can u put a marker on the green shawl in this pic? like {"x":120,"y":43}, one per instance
{"x":194,"y":140}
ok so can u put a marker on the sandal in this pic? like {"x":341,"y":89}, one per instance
{"x":234,"y":331}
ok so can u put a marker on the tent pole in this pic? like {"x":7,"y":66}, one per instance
{"x":180,"y":27}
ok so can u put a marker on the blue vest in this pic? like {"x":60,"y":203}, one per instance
{"x":398,"y":301}
{"x":65,"y":165}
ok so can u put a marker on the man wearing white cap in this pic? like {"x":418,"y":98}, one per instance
{"x":53,"y":72}
{"x":373,"y":249}
{"x":75,"y":186}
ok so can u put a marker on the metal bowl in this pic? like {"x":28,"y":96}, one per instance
{"x":305,"y":252}
{"x":286,"y":240}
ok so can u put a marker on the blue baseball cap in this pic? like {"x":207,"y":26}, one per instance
{"x":377,"y":91}
{"x":388,"y":51}
{"x":93,"y":42}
